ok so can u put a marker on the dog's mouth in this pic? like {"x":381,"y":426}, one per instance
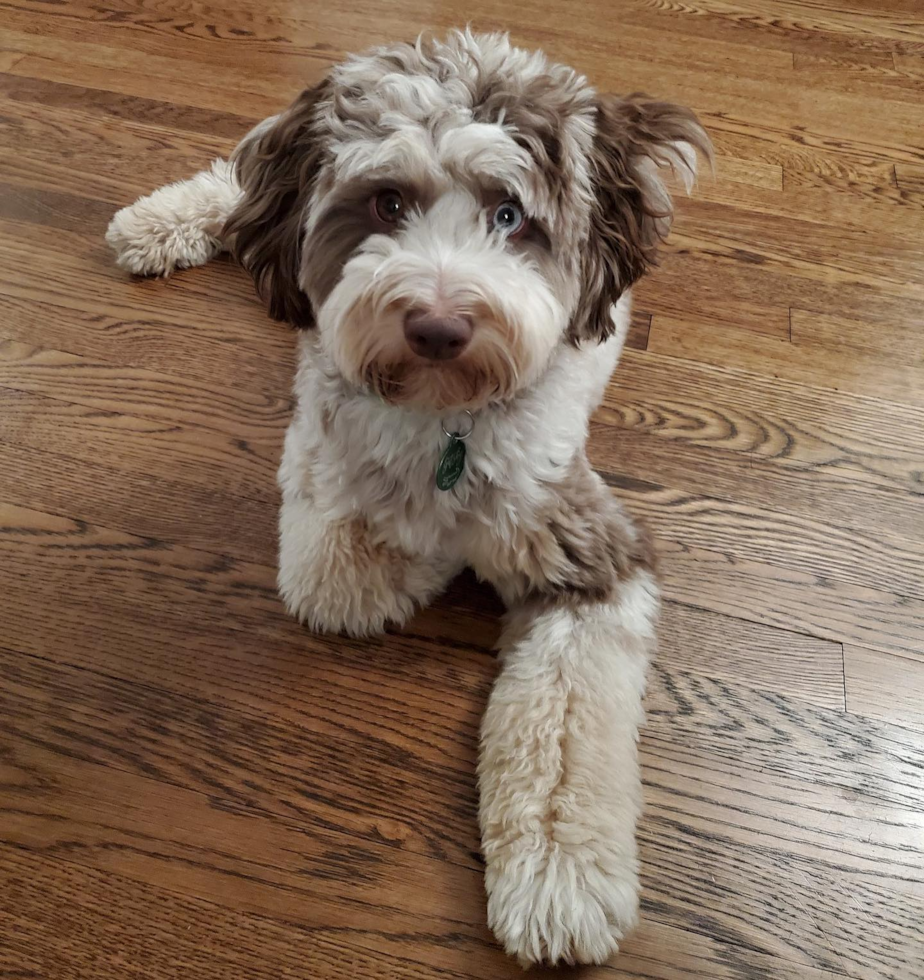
{"x":436,"y":385}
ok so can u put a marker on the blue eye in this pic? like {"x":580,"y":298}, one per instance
{"x":509,"y":218}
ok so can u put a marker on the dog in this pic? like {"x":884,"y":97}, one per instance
{"x":455,"y":225}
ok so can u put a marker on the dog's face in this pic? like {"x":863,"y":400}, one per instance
{"x":447,"y":214}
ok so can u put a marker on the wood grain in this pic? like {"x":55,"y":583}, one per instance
{"x":630,"y":455}
{"x":880,"y":685}
{"x":910,"y":176}
{"x":887,"y":377}
{"x":900,"y":341}
{"x":146,"y":742}
{"x":878,"y":561}
{"x":733,"y":406}
{"x":195,"y":787}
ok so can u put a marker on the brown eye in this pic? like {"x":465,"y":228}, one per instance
{"x":388,"y":206}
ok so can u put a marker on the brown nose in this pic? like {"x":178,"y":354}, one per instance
{"x":438,"y":338}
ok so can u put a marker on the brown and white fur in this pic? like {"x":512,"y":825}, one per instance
{"x":455,"y":128}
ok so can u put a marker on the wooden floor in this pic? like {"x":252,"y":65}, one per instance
{"x":193,"y":787}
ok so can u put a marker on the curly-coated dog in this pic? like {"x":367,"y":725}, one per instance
{"x":456,"y":226}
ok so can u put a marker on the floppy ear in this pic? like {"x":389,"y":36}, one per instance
{"x":631,"y":211}
{"x":276,"y":167}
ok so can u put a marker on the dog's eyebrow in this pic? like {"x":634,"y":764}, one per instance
{"x":484,"y":150}
{"x":487,"y":155}
{"x":406,"y":155}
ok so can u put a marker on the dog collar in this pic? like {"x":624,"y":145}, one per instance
{"x":452,"y":458}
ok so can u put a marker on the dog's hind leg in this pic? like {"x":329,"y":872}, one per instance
{"x":177,"y":226}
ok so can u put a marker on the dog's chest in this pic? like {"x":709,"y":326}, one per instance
{"x":380,"y":461}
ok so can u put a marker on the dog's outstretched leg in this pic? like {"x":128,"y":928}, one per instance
{"x":559,"y":772}
{"x":177,"y":226}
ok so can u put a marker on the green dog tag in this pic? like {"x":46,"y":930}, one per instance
{"x":451,"y":465}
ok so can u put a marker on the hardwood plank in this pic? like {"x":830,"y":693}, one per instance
{"x":751,"y":173}
{"x":172,"y":32}
{"x":53,"y":209}
{"x":8,"y":59}
{"x":259,"y":420}
{"x":836,"y":59}
{"x":208,"y":849}
{"x":129,"y":842}
{"x":663,"y":952}
{"x":857,"y":25}
{"x":873,"y":127}
{"x":242,"y":350}
{"x":830,"y":200}
{"x":50,"y":903}
{"x":871,"y":258}
{"x":402,"y":793}
{"x":736,"y":292}
{"x":155,"y":610}
{"x":240,"y":594}
{"x":792,"y":152}
{"x":184,"y":453}
{"x":892,"y":380}
{"x":536,"y":26}
{"x":627,"y":455}
{"x":744,"y":532}
{"x":661,"y":296}
{"x":216,"y":299}
{"x":824,"y":199}
{"x":863,"y":763}
{"x":638,"y":330}
{"x":910,"y":176}
{"x":123,"y":108}
{"x":107,"y":159}
{"x":910,"y":62}
{"x":793,"y":664}
{"x":736,"y":274}
{"x":883,"y":686}
{"x":793,"y":599}
{"x":201,"y":517}
{"x":140,"y":74}
{"x":903,"y":341}
{"x":860,"y":73}
{"x":160,"y":29}
{"x":73,"y":923}
{"x":797,"y":425}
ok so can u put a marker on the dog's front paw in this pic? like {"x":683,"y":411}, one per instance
{"x":553,"y":904}
{"x":151,"y":240}
{"x":176,"y":227}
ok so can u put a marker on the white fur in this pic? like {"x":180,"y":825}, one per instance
{"x":177,"y":226}
{"x":370,"y":448}
{"x":365,"y":536}
{"x":559,"y":780}
{"x":443,"y":257}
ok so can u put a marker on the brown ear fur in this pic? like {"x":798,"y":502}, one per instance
{"x":631,"y":213}
{"x":277,"y":170}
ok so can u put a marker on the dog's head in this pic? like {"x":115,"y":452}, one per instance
{"x":447,"y":213}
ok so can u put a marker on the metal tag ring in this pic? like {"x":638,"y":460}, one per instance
{"x":462,"y":436}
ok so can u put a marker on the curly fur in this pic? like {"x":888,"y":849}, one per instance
{"x":456,"y":127}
